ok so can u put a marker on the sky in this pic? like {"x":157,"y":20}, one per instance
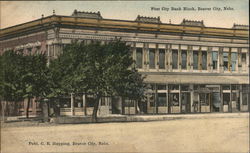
{"x":17,"y":12}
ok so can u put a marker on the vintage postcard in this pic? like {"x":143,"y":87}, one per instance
{"x":124,"y":76}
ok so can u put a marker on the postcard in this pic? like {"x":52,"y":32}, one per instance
{"x":124,"y":76}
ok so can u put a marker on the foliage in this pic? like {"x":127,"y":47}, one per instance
{"x":23,"y":76}
{"x":98,"y":69}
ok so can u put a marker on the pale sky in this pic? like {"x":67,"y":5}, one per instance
{"x":17,"y":12}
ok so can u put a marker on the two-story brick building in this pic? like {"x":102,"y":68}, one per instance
{"x":189,"y":67}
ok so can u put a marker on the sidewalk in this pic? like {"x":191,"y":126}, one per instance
{"x":145,"y":118}
{"x":38,"y":121}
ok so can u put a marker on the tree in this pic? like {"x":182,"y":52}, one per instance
{"x":9,"y":78}
{"x":97,"y":69}
{"x":23,"y":76}
{"x":34,"y":77}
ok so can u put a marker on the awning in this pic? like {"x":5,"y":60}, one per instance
{"x":196,"y":79}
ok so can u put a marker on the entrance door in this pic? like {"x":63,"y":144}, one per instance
{"x":185,"y":102}
{"x":216,"y":102}
{"x":235,"y":102}
{"x":226,"y":101}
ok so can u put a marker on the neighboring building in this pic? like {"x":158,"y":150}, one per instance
{"x":189,"y":67}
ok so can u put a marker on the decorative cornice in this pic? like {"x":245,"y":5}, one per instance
{"x":193,"y":23}
{"x":148,"y":19}
{"x":92,"y":15}
{"x":240,"y":26}
{"x":96,"y":21}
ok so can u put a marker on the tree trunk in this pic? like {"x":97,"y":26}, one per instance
{"x":27,"y":108}
{"x":96,"y":105}
{"x":3,"y":103}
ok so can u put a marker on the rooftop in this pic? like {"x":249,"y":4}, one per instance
{"x":141,"y":23}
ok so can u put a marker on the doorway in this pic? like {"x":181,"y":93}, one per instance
{"x":216,"y":102}
{"x":185,"y":102}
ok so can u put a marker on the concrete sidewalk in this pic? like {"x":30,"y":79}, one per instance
{"x":145,"y":118}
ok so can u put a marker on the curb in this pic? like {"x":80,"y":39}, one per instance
{"x":108,"y":119}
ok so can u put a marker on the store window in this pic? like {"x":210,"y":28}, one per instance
{"x":204,"y":99}
{"x":152,"y":100}
{"x":215,"y":60}
{"x":162,"y":99}
{"x":77,"y":101}
{"x":151,"y":58}
{"x":195,"y":60}
{"x":204,"y":60}
{"x":65,"y":103}
{"x":183,"y":59}
{"x":225,"y":61}
{"x":139,"y":57}
{"x":129,"y":103}
{"x":234,"y":96}
{"x":234,"y":60}
{"x":90,"y":101}
{"x":175,"y":59}
{"x":161,"y":59}
{"x":174,"y":99}
{"x":244,"y":98}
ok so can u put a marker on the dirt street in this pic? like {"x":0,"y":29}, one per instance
{"x":184,"y":135}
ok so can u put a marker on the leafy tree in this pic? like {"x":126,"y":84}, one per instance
{"x":34,"y":79}
{"x":23,"y":76}
{"x":97,"y":69}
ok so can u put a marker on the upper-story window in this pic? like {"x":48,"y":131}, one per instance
{"x":183,"y":59}
{"x":204,"y":60}
{"x":161,"y":59}
{"x":215,"y":60}
{"x":139,"y":57}
{"x":243,"y":61}
{"x":225,"y":61}
{"x":151,"y":58}
{"x":234,"y":61}
{"x":195,"y":60}
{"x":175,"y":59}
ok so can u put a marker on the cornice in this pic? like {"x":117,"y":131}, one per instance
{"x":56,"y":20}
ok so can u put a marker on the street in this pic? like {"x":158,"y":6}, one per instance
{"x":184,"y":135}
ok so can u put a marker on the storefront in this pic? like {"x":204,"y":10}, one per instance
{"x":193,"y":98}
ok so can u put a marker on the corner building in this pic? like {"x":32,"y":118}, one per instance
{"x":190,"y":68}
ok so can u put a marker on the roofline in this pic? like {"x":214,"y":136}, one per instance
{"x":95,"y":23}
